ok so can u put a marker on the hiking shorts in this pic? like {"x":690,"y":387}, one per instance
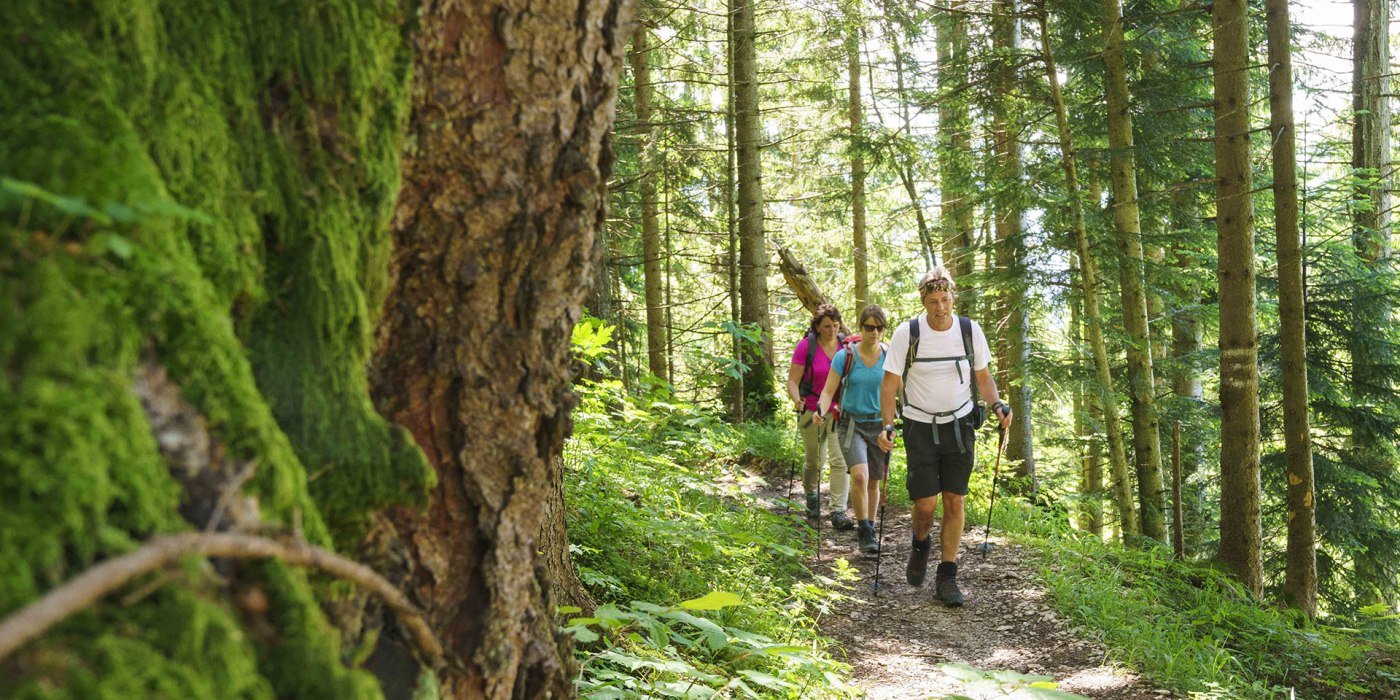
{"x":935,"y":468}
{"x":864,"y":447}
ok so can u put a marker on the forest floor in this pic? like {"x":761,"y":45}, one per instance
{"x":902,"y":642}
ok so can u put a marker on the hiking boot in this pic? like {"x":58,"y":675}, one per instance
{"x":866,"y":535}
{"x":918,"y":563}
{"x":814,"y":506}
{"x":841,"y":521}
{"x":946,"y":588}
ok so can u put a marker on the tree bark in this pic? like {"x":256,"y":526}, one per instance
{"x":503,"y":192}
{"x":1371,"y":164}
{"x":955,"y":148}
{"x":856,"y":115}
{"x":1300,"y":579}
{"x":753,"y":243}
{"x":1089,"y":284}
{"x":1239,"y":352}
{"x":1011,"y":254}
{"x":800,"y":282}
{"x":1128,"y":228}
{"x":640,"y":58}
{"x":731,"y":219}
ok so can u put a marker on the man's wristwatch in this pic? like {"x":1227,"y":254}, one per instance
{"x":997,"y":407}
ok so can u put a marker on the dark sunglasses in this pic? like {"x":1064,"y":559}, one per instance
{"x":938,"y":284}
{"x":871,"y":329}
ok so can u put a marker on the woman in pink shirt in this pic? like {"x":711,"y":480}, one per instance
{"x":806,"y":379}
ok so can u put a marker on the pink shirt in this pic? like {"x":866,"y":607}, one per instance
{"x":821,"y":366}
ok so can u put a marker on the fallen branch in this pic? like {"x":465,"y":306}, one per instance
{"x":38,"y":617}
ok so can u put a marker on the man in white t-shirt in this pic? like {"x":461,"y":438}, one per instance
{"x":938,"y":413}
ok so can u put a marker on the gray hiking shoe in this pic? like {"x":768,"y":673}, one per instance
{"x":814,"y":506}
{"x":841,"y":521}
{"x":946,"y":588}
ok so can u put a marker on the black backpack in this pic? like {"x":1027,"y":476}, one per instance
{"x":979,"y":411}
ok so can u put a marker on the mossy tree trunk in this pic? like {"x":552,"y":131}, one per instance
{"x":1128,"y":227}
{"x":493,"y":231}
{"x":1239,"y":346}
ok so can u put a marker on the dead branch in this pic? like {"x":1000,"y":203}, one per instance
{"x":38,"y":617}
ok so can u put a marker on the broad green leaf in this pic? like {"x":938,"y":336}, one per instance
{"x":714,"y":600}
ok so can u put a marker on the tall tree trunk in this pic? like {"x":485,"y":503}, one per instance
{"x":1089,"y":285}
{"x":1090,"y":468}
{"x":955,"y":147}
{"x":493,"y":248}
{"x":857,"y":152}
{"x":1239,"y":351}
{"x":731,"y":221}
{"x":903,"y":163}
{"x":651,"y":232}
{"x":1371,"y":313}
{"x":1011,"y":252}
{"x":1127,"y":225}
{"x":753,"y":244}
{"x":1300,"y":580}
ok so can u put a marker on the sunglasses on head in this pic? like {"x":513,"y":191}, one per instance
{"x":937,"y":284}
{"x":871,"y":328}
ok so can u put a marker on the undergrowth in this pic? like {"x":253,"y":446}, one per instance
{"x":1189,"y":627}
{"x":703,"y":591}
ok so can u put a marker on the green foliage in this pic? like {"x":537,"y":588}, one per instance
{"x":658,"y":511}
{"x":208,"y":189}
{"x":1193,"y":629}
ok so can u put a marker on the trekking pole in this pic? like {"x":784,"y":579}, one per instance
{"x":880,"y":540}
{"x":996,"y":472}
{"x":792,"y":468}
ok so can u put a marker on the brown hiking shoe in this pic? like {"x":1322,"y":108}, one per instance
{"x":946,"y":588}
{"x":918,"y":565}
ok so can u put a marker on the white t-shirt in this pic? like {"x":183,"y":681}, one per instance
{"x":936,"y":386}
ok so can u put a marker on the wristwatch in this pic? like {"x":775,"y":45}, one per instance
{"x":997,"y":406}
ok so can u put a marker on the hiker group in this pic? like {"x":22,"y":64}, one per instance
{"x":847,"y":390}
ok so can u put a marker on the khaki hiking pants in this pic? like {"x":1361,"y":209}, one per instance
{"x":818,"y":445}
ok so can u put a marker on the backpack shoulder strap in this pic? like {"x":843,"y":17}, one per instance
{"x":966,"y":324}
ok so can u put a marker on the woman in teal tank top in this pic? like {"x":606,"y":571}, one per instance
{"x":856,"y":373}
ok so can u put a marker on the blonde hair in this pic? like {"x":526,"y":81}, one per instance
{"x":937,"y":273}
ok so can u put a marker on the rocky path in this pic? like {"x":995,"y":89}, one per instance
{"x":1004,"y":642}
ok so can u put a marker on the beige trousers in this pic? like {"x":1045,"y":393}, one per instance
{"x":822,"y":444}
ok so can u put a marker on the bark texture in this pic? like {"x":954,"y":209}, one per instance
{"x":494,"y":231}
{"x":1300,"y":579}
{"x":955,"y":148}
{"x":1371,"y":163}
{"x":1104,"y":401}
{"x":748,"y":126}
{"x":640,"y":57}
{"x":1010,"y":235}
{"x":1128,"y":227}
{"x":1239,"y":347}
{"x":856,"y":114}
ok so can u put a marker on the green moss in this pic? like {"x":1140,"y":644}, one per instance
{"x":231,"y":169}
